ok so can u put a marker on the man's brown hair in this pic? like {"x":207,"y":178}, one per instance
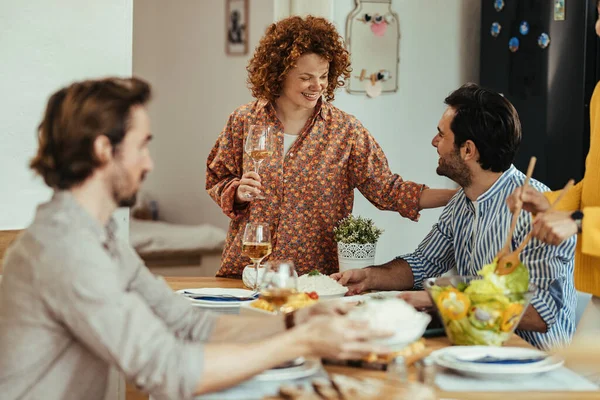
{"x":75,"y":116}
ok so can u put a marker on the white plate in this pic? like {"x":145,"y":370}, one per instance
{"x":457,"y":358}
{"x":383,"y":295}
{"x":334,"y":295}
{"x":217,"y":292}
{"x":359,"y":298}
{"x":308,"y":368}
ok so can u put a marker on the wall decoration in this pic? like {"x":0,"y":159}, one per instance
{"x":498,"y":5}
{"x":513,"y":44}
{"x":543,"y":40}
{"x":236,"y":27}
{"x":495,"y":29}
{"x":372,"y":37}
{"x":559,"y":10}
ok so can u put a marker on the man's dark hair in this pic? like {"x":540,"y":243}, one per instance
{"x":490,"y":121}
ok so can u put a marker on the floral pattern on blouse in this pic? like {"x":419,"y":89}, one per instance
{"x":308,"y":190}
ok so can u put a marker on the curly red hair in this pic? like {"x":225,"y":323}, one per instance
{"x":284,"y":42}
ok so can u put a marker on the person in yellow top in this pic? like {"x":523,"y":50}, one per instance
{"x":578,"y":213}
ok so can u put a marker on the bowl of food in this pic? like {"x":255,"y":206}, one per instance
{"x":483,"y":309}
{"x":393,"y":314}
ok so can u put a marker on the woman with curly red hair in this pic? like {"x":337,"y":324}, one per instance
{"x":321,"y":153}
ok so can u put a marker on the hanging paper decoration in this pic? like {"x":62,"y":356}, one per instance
{"x":372,"y":38}
{"x":377,"y":22}
{"x":524,"y":28}
{"x":513,"y":44}
{"x":495,"y":29}
{"x":373,"y":83}
{"x":373,"y":90}
{"x":498,"y":5}
{"x":383,"y":75}
{"x":543,"y":40}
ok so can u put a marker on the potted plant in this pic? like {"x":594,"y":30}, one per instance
{"x":356,"y":239}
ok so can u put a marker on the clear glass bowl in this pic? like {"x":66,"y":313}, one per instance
{"x":472,"y":318}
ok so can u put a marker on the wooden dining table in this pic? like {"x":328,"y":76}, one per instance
{"x":177,"y":283}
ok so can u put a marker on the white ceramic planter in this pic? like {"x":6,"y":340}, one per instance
{"x":354,"y":255}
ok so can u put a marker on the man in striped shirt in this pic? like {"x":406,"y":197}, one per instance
{"x":478,"y":136}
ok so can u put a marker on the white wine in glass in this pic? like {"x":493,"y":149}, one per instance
{"x":259,"y":146}
{"x":256,"y":251}
{"x":279,"y":283}
{"x":256,"y":244}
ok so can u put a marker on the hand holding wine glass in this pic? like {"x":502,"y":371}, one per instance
{"x":256,"y":244}
{"x":259,"y":146}
{"x":249,"y":187}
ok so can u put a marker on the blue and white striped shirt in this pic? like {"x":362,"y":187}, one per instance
{"x":469,"y":234}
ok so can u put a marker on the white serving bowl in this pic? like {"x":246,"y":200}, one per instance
{"x":395,"y":315}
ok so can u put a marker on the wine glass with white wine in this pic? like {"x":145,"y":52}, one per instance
{"x":279,"y":283}
{"x":256,"y":244}
{"x":259,"y":146}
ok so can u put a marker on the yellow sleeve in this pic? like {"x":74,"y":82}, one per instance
{"x":590,"y":232}
{"x":571,"y":201}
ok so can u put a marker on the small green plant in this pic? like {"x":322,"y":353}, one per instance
{"x":356,"y":230}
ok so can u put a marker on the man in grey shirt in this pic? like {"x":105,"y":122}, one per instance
{"x":74,"y":301}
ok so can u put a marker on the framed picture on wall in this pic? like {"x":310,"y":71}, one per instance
{"x":236,"y":27}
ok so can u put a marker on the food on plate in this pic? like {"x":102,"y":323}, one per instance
{"x":294,"y":302}
{"x":410,"y":352}
{"x":483,"y":311}
{"x":314,"y":281}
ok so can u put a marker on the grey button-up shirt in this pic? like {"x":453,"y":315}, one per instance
{"x":75,"y":301}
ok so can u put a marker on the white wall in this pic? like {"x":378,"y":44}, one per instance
{"x":43,"y":46}
{"x":180,"y":48}
{"x":285,"y":8}
{"x":439,"y":51}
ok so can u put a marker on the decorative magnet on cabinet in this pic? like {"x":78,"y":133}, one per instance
{"x":524,"y":28}
{"x":378,"y":22}
{"x":498,"y":5}
{"x":513,"y":44}
{"x":495,"y":29}
{"x":543,"y":40}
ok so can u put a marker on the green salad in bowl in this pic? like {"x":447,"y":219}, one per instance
{"x":483,"y":309}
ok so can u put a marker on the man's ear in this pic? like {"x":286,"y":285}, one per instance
{"x":469,"y":151}
{"x":103,"y":150}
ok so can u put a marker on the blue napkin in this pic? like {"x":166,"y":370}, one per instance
{"x":220,"y":298}
{"x":507,"y":360}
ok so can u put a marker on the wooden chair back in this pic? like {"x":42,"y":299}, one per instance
{"x":6,"y":238}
